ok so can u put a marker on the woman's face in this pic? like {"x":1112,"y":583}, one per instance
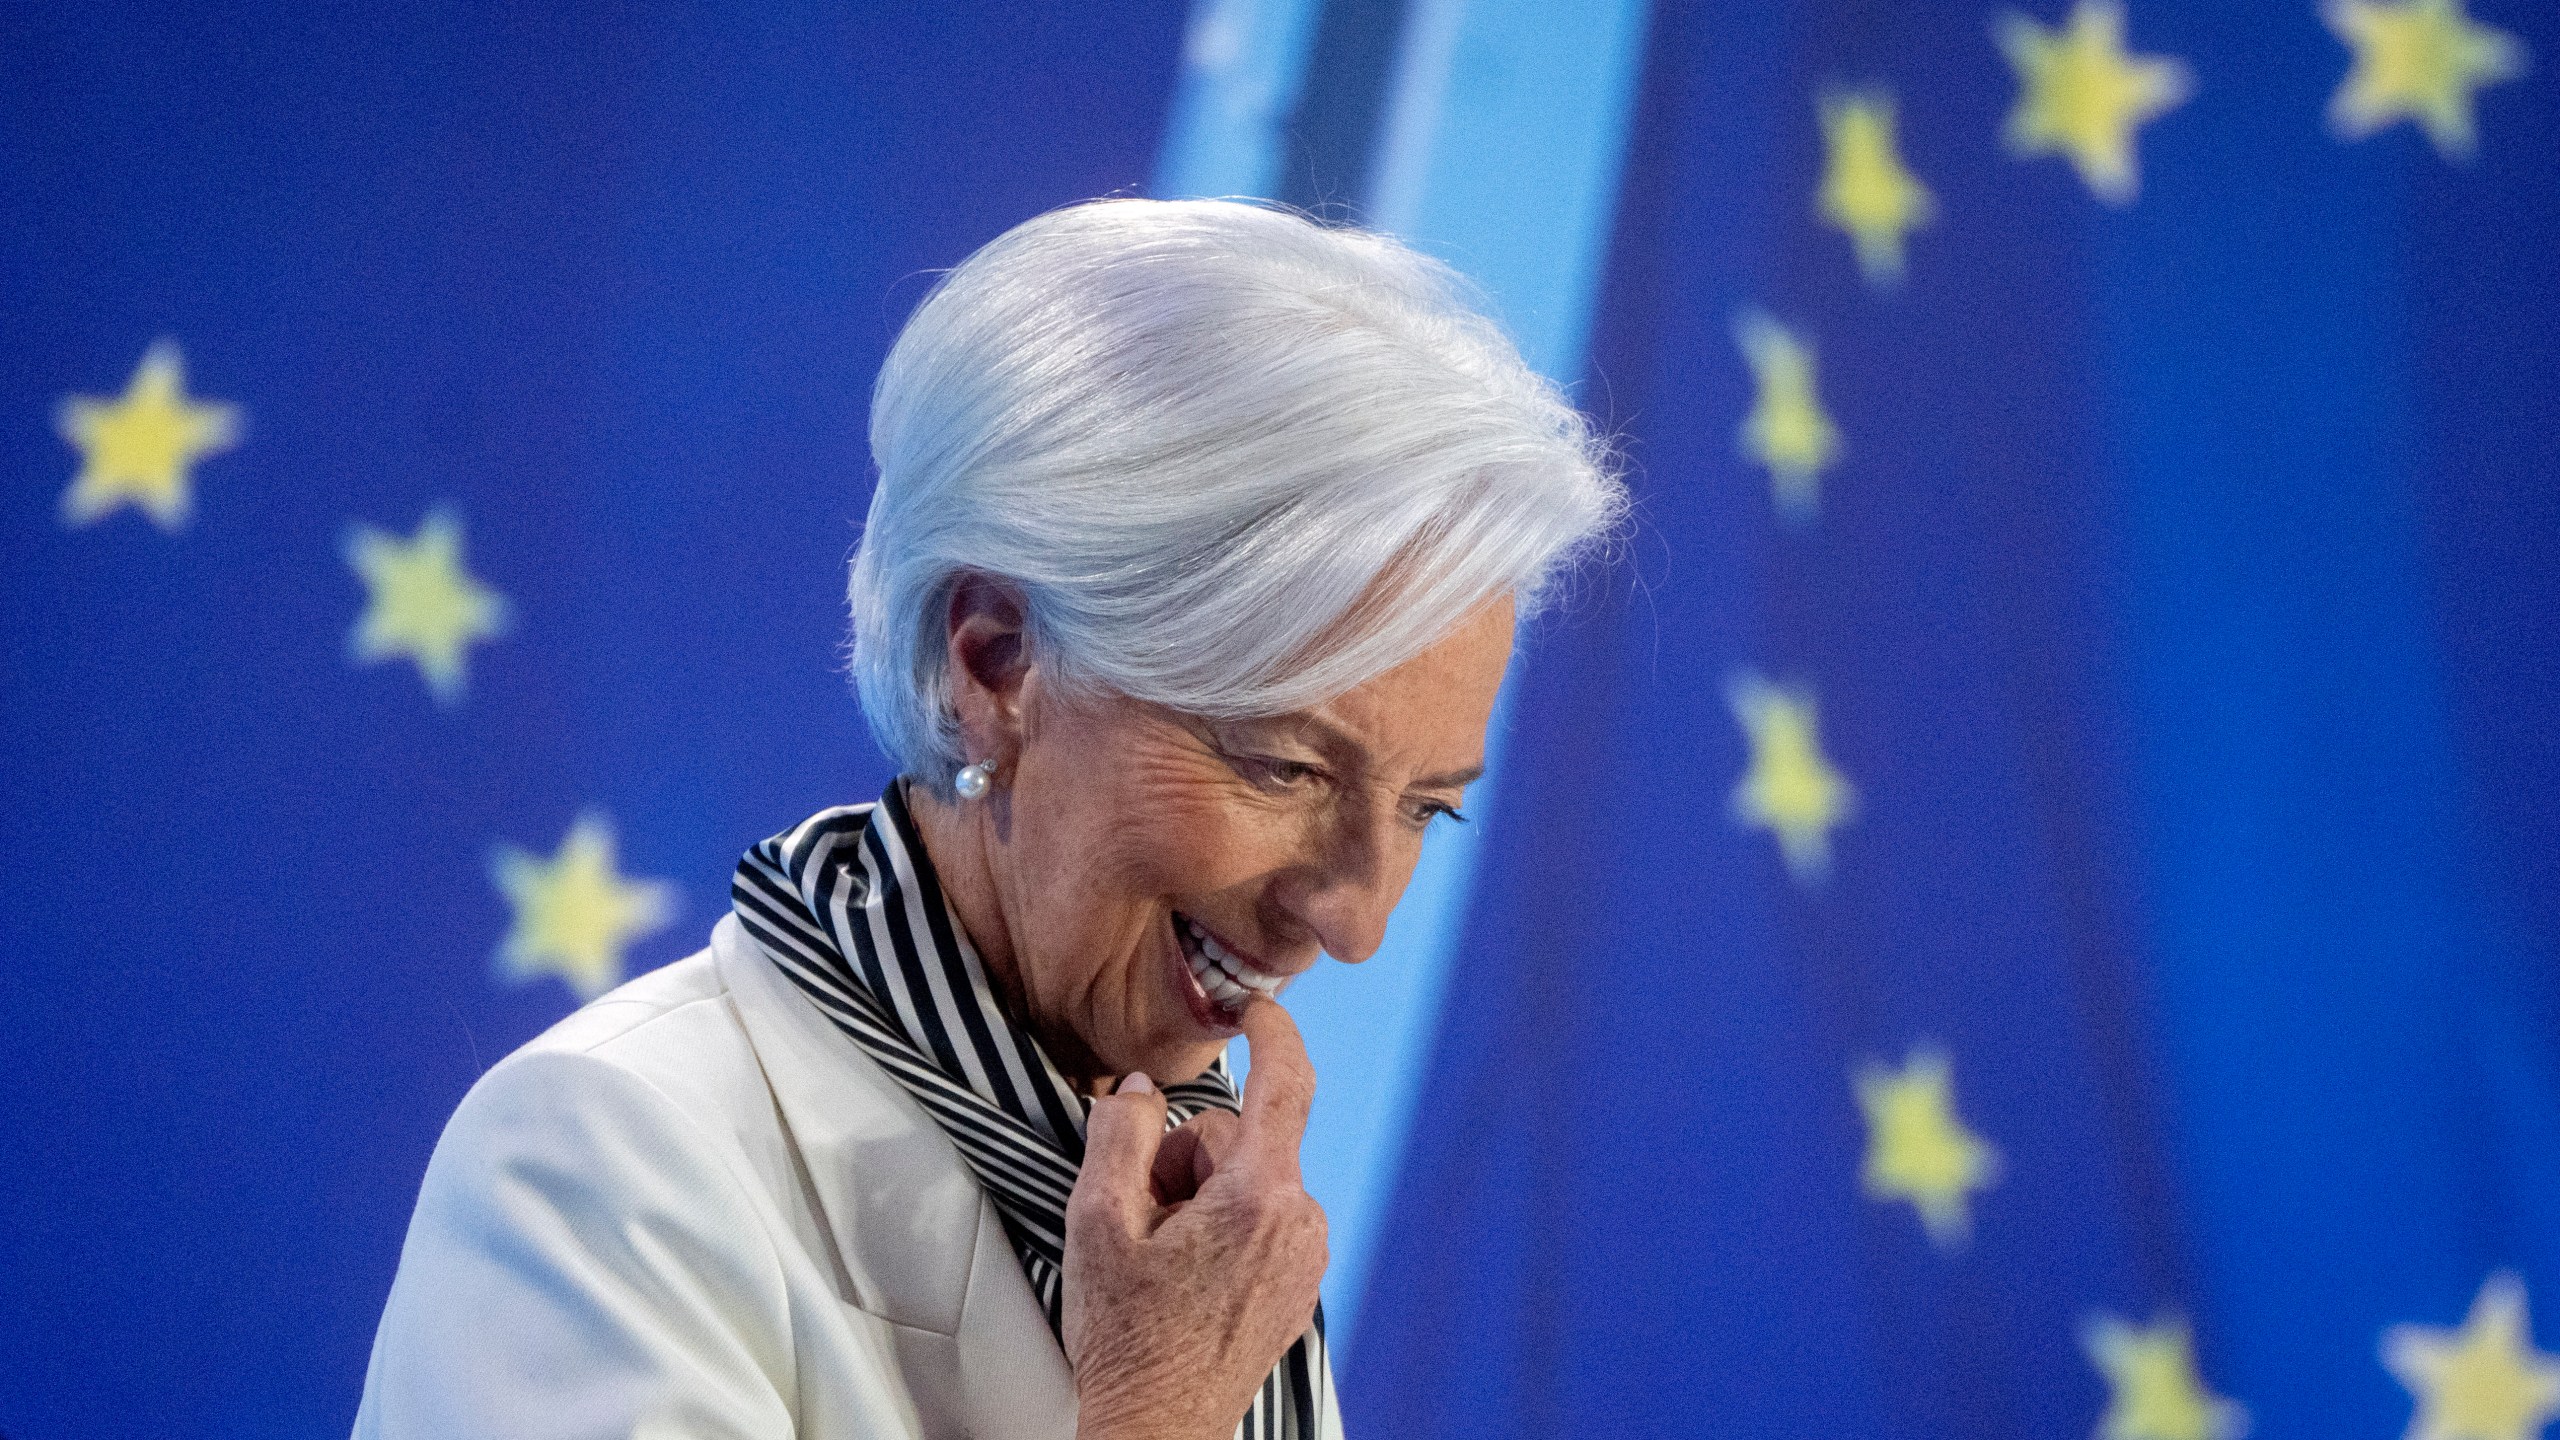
{"x":1140,"y":871}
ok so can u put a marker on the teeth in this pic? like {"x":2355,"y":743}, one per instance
{"x":1237,"y":969}
{"x":1227,"y":980}
{"x":1226,"y":992}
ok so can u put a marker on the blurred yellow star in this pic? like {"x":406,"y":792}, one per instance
{"x":1786,"y":430}
{"x":140,"y":449}
{"x":1789,"y":789}
{"x":2420,"y":60}
{"x":1866,"y":189}
{"x":2484,"y":1381}
{"x":2082,"y":96}
{"x":1917,"y":1150}
{"x":420,"y":602}
{"x":574,"y":915}
{"x":2154,"y":1392}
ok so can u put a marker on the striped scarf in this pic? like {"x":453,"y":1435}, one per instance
{"x":847,"y":905}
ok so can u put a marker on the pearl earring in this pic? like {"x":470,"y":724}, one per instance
{"x":974,"y":780}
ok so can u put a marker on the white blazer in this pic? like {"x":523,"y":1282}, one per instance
{"x":695,"y":1209}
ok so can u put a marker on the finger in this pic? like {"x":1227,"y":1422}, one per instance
{"x":1121,"y":1137}
{"x":1217,"y":1131}
{"x":1281,"y":1085}
{"x":1191,"y":1154}
{"x":1176,"y":1174}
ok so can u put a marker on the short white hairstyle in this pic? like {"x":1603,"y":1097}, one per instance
{"x":1235,"y":462}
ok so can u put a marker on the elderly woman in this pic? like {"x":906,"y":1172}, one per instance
{"x":1200,"y":537}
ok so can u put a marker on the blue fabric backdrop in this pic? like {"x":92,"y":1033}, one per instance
{"x":2022,"y":904}
{"x":608,"y":284}
{"x":2174,"y":629}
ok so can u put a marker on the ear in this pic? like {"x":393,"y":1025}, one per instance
{"x":990,"y":662}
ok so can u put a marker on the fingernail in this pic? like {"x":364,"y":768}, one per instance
{"x":1136,"y":1083}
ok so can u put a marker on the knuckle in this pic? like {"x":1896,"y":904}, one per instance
{"x":1086,"y":1210}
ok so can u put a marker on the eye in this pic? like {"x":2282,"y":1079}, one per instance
{"x":1423,"y":812}
{"x":1271,"y":772}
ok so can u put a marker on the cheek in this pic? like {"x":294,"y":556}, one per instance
{"x":1186,"y":828}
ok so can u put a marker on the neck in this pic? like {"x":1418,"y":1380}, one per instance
{"x":965,"y":841}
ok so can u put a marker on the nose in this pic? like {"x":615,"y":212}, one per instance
{"x":1358,"y":863}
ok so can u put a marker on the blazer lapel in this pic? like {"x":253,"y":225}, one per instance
{"x":916,"y":1240}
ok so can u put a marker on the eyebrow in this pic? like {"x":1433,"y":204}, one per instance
{"x":1452,"y":780}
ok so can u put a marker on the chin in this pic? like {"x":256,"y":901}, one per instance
{"x":1189,"y":1062}
{"x":1171,"y":1062}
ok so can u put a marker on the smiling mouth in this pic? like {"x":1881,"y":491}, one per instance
{"x":1229,"y":983}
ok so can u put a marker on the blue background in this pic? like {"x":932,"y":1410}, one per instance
{"x":2185,"y":608}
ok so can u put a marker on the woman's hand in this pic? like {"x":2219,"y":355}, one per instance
{"x":1192,"y":1258}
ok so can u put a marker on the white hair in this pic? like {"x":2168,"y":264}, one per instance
{"x":1234,"y":461}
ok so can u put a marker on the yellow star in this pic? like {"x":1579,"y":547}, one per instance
{"x":2083,"y":96}
{"x":1790,"y":789}
{"x":2484,"y":1381}
{"x":2154,"y":1392}
{"x":420,"y":602}
{"x":138,"y":449}
{"x":1917,"y":1150}
{"x":1786,"y":430}
{"x":1866,"y":190}
{"x":2416,"y":60}
{"x":574,"y":914}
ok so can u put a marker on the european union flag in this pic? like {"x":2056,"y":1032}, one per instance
{"x":2023,"y":904}
{"x":434,"y":439}
{"x":2031,"y":910}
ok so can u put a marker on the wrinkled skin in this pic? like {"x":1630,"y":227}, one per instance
{"x":1191,"y":1266}
{"x":1193,"y":1258}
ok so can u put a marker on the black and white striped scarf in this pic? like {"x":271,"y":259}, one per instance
{"x":847,"y":904}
